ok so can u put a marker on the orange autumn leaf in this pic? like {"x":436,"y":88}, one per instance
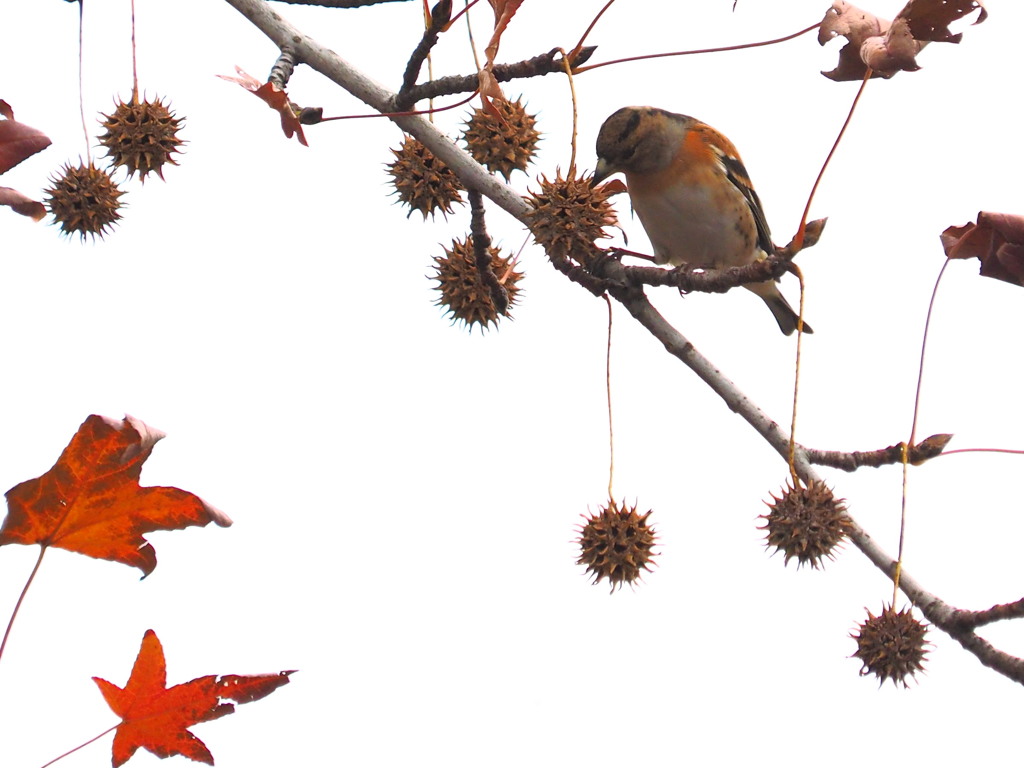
{"x":91,"y":501}
{"x":890,"y":47}
{"x":273,"y":97}
{"x":157,"y":718}
{"x":997,"y":241}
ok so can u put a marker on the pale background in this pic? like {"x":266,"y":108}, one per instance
{"x":405,"y":494}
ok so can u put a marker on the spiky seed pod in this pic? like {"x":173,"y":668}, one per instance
{"x":84,"y":199}
{"x":462,"y":289}
{"x":422,"y":181}
{"x":616,"y":544}
{"x":807,"y":523}
{"x":141,"y":136}
{"x":502,"y":143}
{"x":568,"y":216}
{"x":891,"y":646}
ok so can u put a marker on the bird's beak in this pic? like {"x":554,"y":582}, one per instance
{"x":602,"y":172}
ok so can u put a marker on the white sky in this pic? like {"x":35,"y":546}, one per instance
{"x":405,"y":494}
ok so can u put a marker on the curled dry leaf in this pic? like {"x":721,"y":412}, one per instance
{"x":889,"y":47}
{"x":929,"y":20}
{"x":17,"y":140}
{"x":276,"y":99}
{"x":157,"y":718}
{"x":504,"y":10}
{"x":997,"y":240}
{"x":91,"y":501}
{"x":19,"y":203}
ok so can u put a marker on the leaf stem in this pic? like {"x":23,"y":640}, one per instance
{"x":741,"y":46}
{"x":798,"y":241}
{"x":608,"y":391}
{"x":83,"y":744}
{"x":21,"y":597}
{"x":913,"y":431}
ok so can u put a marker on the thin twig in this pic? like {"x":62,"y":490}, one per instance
{"x":538,"y":66}
{"x":439,"y":17}
{"x":929,"y":448}
{"x":283,"y":69}
{"x":481,"y":250}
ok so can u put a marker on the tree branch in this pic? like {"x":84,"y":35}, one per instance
{"x":482,"y":252}
{"x":615,"y":278}
{"x":545,"y":64}
{"x":340,"y":3}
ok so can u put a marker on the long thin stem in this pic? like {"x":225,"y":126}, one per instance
{"x":798,"y":241}
{"x":21,"y":598}
{"x":81,"y":77}
{"x":575,"y":114}
{"x":739,"y":47}
{"x":796,"y":378}
{"x":913,"y":430}
{"x":83,"y":744}
{"x":579,"y":45}
{"x":608,"y":392}
{"x":135,"y":65}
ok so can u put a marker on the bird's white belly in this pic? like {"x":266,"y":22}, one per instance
{"x":685,"y":229}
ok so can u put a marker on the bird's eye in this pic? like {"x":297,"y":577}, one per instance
{"x":628,"y":154}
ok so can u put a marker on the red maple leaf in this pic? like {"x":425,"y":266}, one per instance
{"x":91,"y":501}
{"x":157,"y":718}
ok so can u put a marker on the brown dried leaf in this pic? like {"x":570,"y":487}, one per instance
{"x":890,"y":47}
{"x":929,"y":20}
{"x":26,"y":206}
{"x":17,"y":140}
{"x":997,"y":240}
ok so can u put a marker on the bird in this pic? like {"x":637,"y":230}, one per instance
{"x":689,"y":187}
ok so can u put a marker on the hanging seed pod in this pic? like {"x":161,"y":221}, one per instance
{"x":84,"y":200}
{"x":422,"y":181}
{"x":616,"y":544}
{"x":504,"y":142}
{"x":807,"y":523}
{"x":568,"y":216}
{"x":141,"y":136}
{"x":891,"y":646}
{"x":463,"y":292}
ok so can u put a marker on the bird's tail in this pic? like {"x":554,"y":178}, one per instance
{"x":783,"y":313}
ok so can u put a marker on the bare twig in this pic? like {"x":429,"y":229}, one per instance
{"x":439,"y":17}
{"x":545,"y":64}
{"x":927,"y":449}
{"x":340,"y":3}
{"x":481,"y":250}
{"x":283,"y":69}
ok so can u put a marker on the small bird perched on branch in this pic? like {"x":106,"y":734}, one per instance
{"x":687,"y":184}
